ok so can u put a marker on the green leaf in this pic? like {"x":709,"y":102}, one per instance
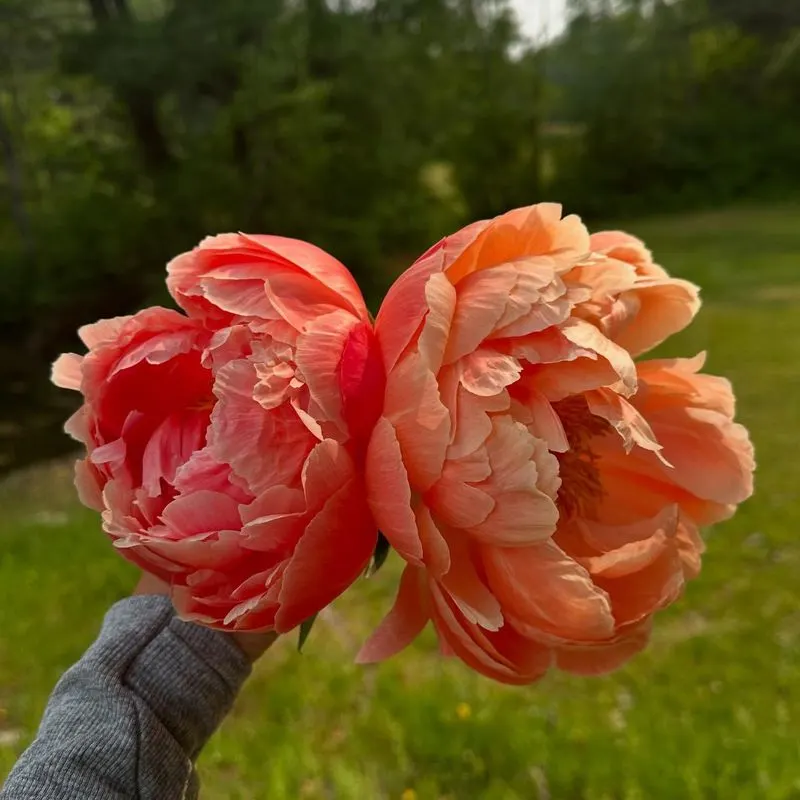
{"x":379,"y":555}
{"x":305,"y":629}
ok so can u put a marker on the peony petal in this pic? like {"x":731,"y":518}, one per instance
{"x":526,"y":661}
{"x":522,"y":474}
{"x":402,"y":624}
{"x":316,"y":263}
{"x":625,"y":419}
{"x":523,"y":232}
{"x":546,"y":590}
{"x":334,"y":550}
{"x":422,"y":422}
{"x":482,"y":298}
{"x":440,"y":297}
{"x":598,"y":659}
{"x":712,"y":457}
{"x":89,"y":484}
{"x":541,"y":418}
{"x":67,"y":372}
{"x":172,"y":445}
{"x":403,"y":309}
{"x":486,"y":372}
{"x":102,"y":332}
{"x":274,"y":521}
{"x":435,"y":550}
{"x":457,"y":503}
{"x":319,"y":354}
{"x":467,"y":590}
{"x":362,"y":382}
{"x":326,"y":470}
{"x":201,"y":512}
{"x":665,"y":307}
{"x":264,"y":448}
{"x":389,"y":492}
{"x":585,"y":335}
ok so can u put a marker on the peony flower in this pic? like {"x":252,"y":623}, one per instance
{"x":225,"y":448}
{"x":544,"y":491}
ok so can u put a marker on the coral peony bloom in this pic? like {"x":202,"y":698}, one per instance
{"x":543,"y":490}
{"x":225,"y":448}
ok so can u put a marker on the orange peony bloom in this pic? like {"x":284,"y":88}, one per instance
{"x":544,"y":490}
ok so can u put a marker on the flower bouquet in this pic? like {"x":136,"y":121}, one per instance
{"x":265,"y":447}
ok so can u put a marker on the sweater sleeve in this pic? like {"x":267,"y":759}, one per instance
{"x":129,"y":719}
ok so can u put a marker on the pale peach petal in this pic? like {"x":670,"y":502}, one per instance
{"x":665,"y":306}
{"x":326,"y":470}
{"x":402,"y":624}
{"x":503,"y":656}
{"x":299,"y":301}
{"x":622,"y":246}
{"x":607,"y":539}
{"x":319,"y":353}
{"x":546,"y":347}
{"x":171,"y":445}
{"x":677,"y":381}
{"x":636,"y":596}
{"x":461,"y":637}
{"x":536,"y":412}
{"x":88,"y":483}
{"x":422,"y":422}
{"x":587,"y":336}
{"x":404,"y":307}
{"x":545,"y":589}
{"x":440,"y":297}
{"x":79,"y":426}
{"x":457,"y":503}
{"x":203,"y":471}
{"x":538,"y":299}
{"x":712,"y":457}
{"x":66,"y":372}
{"x":600,"y":658}
{"x":389,"y":493}
{"x":238,"y":295}
{"x":103,"y":332}
{"x":482,"y":299}
{"x":486,"y":372}
{"x":472,"y":420}
{"x":625,"y":419}
{"x":466,"y":589}
{"x":690,"y":548}
{"x":274,"y":521}
{"x":435,"y":550}
{"x":522,"y":474}
{"x":523,"y":232}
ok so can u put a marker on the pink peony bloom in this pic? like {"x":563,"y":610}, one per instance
{"x":544,"y":491}
{"x":225,"y":448}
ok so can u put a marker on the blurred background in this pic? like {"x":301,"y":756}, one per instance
{"x":129,"y":129}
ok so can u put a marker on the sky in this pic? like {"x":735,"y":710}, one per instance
{"x":541,"y":19}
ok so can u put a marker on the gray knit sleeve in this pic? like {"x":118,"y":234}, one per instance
{"x":129,"y":719}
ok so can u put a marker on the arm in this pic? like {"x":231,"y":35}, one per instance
{"x":129,"y":719}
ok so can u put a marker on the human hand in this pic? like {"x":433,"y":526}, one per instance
{"x":253,"y":645}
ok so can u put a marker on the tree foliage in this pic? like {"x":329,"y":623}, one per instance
{"x":131,"y":128}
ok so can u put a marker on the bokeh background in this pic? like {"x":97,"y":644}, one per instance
{"x":131,"y":128}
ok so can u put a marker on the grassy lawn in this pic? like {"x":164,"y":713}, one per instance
{"x":710,"y":710}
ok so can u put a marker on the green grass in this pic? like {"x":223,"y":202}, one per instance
{"x":710,"y":710}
